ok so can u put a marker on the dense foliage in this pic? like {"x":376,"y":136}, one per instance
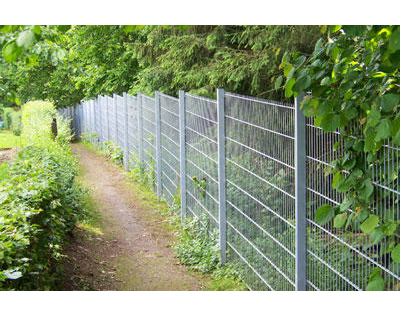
{"x":11,"y":119}
{"x":39,"y":202}
{"x":354,"y":79}
{"x":66,"y":65}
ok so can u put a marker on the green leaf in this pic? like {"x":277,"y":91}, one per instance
{"x":376,"y":282}
{"x":347,"y":202}
{"x":373,"y":117}
{"x":288,"y":88}
{"x":369,"y":140}
{"x":326,"y":81}
{"x":338,"y":178}
{"x":351,"y":113}
{"x":394,"y":42}
{"x":288,"y":68}
{"x":278,"y":82}
{"x":330,"y":122}
{"x":395,"y":254}
{"x":362,"y":216}
{"x":8,"y":28}
{"x":340,"y":220}
{"x":383,"y":130}
{"x":37,"y":29}
{"x":396,"y":138}
{"x":302,"y":84}
{"x":349,"y":219}
{"x":354,"y":30}
{"x":63,"y":28}
{"x":348,"y":165}
{"x":388,"y":228}
{"x":11,"y":51}
{"x":369,"y":224}
{"x":376,"y":236}
{"x":26,"y":39}
{"x":389,"y":101}
{"x":60,"y":54}
{"x":299,"y":61}
{"x":129,"y":28}
{"x":335,"y":53}
{"x":310,"y":106}
{"x":334,"y":28}
{"x":366,"y":190}
{"x":324,"y":214}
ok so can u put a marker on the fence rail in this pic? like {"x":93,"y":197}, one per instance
{"x":254,"y":170}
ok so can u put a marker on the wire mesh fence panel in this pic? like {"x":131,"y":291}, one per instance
{"x":103,"y":120}
{"x":149,"y":137}
{"x":202,"y":159}
{"x":97,"y":125}
{"x":111,"y":119}
{"x":260,"y":191}
{"x":260,"y":184}
{"x":170,"y":171}
{"x":83,"y":117}
{"x":86,"y":117}
{"x":133,"y":132}
{"x":118,"y":121}
{"x":343,"y":259}
{"x":78,"y":119}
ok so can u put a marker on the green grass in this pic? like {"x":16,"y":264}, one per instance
{"x":9,"y":140}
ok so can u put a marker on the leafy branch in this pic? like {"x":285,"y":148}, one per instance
{"x":354,"y":77}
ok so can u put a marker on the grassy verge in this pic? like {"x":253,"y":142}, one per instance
{"x":9,"y":140}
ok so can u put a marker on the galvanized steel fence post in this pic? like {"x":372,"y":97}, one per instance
{"x":126,"y":149}
{"x":221,"y":173}
{"x":158,"y":144}
{"x":300,"y":201}
{"x":182,"y":153}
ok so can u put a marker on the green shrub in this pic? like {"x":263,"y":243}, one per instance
{"x":15,"y":125}
{"x":39,"y":203}
{"x":11,"y":119}
{"x":113,"y":152}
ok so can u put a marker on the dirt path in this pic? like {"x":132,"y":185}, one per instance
{"x":132,"y":249}
{"x":7,"y":154}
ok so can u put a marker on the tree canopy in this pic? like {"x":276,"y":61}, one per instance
{"x":66,"y":64}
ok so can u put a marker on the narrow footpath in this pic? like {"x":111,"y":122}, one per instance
{"x":131,"y":249}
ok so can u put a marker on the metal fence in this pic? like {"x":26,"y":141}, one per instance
{"x":254,"y":170}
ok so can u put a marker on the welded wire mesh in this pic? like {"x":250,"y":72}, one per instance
{"x":344,"y":259}
{"x":103,"y":119}
{"x":149,"y":136}
{"x":260,"y":191}
{"x":170,"y":148}
{"x":202,"y":158}
{"x":133,"y":132}
{"x":260,"y":184}
{"x":111,"y":119}
{"x":118,"y":121}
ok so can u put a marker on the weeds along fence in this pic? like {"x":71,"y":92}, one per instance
{"x":254,"y":170}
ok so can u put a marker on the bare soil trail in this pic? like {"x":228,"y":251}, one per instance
{"x":132,"y":249}
{"x":7,"y":154}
